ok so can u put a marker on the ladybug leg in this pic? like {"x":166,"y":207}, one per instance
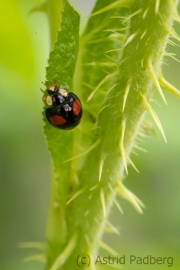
{"x":44,"y":84}
{"x":43,"y":97}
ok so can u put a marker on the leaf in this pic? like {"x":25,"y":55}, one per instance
{"x":62,"y":60}
{"x":61,"y":65}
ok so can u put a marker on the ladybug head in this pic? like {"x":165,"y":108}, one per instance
{"x":52,"y":90}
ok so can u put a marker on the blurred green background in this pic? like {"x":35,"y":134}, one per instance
{"x":25,"y":166}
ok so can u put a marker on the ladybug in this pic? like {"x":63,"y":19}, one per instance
{"x":65,"y":109}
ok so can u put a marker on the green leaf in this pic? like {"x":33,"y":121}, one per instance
{"x":62,"y":60}
{"x":60,"y":71}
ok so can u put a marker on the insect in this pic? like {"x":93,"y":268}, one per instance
{"x":65,"y":109}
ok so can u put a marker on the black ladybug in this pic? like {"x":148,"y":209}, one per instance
{"x":66,"y":109}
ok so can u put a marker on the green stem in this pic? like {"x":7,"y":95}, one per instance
{"x":54,"y":12}
{"x":101,"y":176}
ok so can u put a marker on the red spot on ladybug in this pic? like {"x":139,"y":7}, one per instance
{"x":76,"y":107}
{"x":57,"y":120}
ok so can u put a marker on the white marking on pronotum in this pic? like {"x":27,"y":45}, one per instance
{"x":123,"y":127}
{"x":157,"y":3}
{"x":126,"y":94}
{"x":74,"y":196}
{"x":154,"y":116}
{"x":63,"y":92}
{"x":103,"y":202}
{"x":49,"y":100}
{"x":155,"y":80}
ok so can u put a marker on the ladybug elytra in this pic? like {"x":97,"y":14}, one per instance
{"x":65,"y":109}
